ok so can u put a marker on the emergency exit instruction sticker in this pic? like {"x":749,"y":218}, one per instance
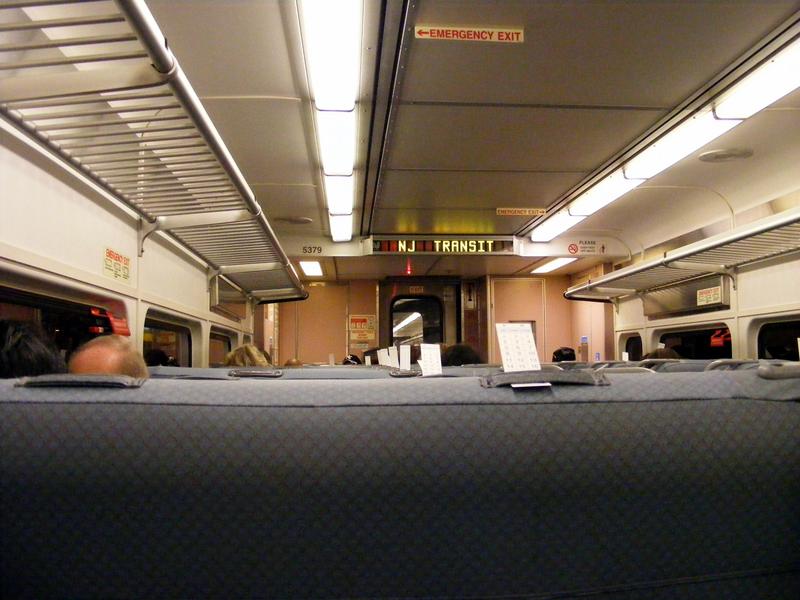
{"x":116,"y":265}
{"x":470,"y":34}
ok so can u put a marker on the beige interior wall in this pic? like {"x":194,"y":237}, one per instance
{"x":560,"y":327}
{"x":531,"y":299}
{"x":288,"y":314}
{"x":593,"y":320}
{"x":314,"y":328}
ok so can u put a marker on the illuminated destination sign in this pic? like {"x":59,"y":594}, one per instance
{"x":443,"y":246}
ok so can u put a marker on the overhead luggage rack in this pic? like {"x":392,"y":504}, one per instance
{"x":94,"y":81}
{"x":720,"y":254}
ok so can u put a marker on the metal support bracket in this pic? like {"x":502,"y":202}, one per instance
{"x":146,"y":228}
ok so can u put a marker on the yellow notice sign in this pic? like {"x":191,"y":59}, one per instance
{"x":520,"y":212}
{"x":502,"y":35}
{"x":116,"y":265}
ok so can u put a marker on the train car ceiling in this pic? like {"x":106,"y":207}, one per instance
{"x":460,"y":135}
{"x":475,"y":126}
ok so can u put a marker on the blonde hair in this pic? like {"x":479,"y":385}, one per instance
{"x":246,"y":355}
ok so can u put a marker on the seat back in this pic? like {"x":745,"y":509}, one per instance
{"x":650,"y":487}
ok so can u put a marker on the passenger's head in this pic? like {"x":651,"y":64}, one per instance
{"x":564,"y":353}
{"x":108,"y":355}
{"x":351,"y":359}
{"x":156,"y":357}
{"x":246,"y":355}
{"x":459,"y":354}
{"x":662,"y":353}
{"x":26,"y":351}
{"x":293,"y":362}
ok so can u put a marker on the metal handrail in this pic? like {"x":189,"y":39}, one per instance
{"x":143,"y":22}
{"x":98,"y":121}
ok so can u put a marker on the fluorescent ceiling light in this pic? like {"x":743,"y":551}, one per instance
{"x":332,"y":41}
{"x":311,"y":268}
{"x":341,"y":227}
{"x":766,"y":84}
{"x":558,"y":223}
{"x":337,"y":141}
{"x":409,"y":319}
{"x":339,"y":191}
{"x":687,"y":137}
{"x":603,"y":193}
{"x":554,"y":264}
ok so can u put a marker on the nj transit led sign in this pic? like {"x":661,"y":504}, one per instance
{"x":472,"y":246}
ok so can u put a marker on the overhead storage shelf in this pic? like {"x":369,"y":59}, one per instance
{"x":720,"y":254}
{"x":94,"y":81}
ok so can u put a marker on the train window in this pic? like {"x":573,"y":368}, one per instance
{"x":779,"y":340}
{"x":167,"y":344}
{"x":633,"y":346}
{"x":219,"y":344}
{"x":416,"y":319}
{"x":69,"y":324}
{"x":703,"y":344}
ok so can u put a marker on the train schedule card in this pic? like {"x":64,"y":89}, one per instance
{"x":517,"y":347}
{"x":430,"y":360}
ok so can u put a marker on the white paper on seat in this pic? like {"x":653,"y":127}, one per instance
{"x":517,"y":347}
{"x":405,"y":358}
{"x":394,"y":361}
{"x":430,"y":359}
{"x":383,"y":357}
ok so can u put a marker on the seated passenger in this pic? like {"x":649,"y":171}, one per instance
{"x":661,"y":353}
{"x":156,"y":357}
{"x":26,"y":351}
{"x":460,"y":354}
{"x":293,"y":362}
{"x":563,"y":354}
{"x":246,"y":355}
{"x":351,"y":359}
{"x":108,"y":355}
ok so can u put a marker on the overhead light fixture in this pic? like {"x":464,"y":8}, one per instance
{"x":331,"y":31}
{"x":409,"y":319}
{"x":311,"y":268}
{"x":332,"y":41}
{"x":341,"y":227}
{"x":558,"y":223}
{"x":766,"y":84}
{"x":554,"y":264}
{"x":339,"y":190}
{"x":603,"y":193}
{"x":337,"y":141}
{"x":692,"y":134}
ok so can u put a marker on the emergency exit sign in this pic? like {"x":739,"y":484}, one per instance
{"x":470,"y":34}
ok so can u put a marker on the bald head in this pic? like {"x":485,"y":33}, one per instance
{"x":108,"y":355}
